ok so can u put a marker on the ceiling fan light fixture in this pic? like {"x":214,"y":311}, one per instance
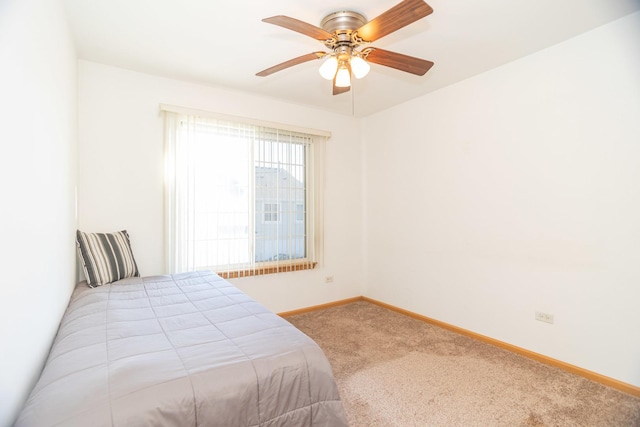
{"x":360,"y":67}
{"x":328,"y":68}
{"x":344,"y":33}
{"x":343,"y":77}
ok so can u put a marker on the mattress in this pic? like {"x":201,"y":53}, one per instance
{"x":180,"y":350}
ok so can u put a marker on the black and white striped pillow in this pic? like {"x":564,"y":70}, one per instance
{"x":106,"y":257}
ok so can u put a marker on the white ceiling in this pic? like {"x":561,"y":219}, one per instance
{"x":224,"y":43}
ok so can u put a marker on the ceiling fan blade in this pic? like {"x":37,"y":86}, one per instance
{"x":337,"y":90}
{"x":401,"y":15}
{"x":409,"y":64}
{"x":291,"y":63}
{"x":300,"y":27}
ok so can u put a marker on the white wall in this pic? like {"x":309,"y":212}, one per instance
{"x":121,"y":175}
{"x":514,"y":191}
{"x":38,"y":172}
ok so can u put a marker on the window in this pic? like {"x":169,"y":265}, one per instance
{"x":270,"y":212}
{"x":242,"y":199}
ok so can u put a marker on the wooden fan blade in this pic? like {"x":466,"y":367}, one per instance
{"x":291,"y":63}
{"x":337,"y":90}
{"x":409,"y":64}
{"x":399,"y":16}
{"x":300,"y":27}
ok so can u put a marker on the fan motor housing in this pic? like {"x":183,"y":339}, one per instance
{"x":343,"y":22}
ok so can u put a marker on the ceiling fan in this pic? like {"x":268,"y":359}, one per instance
{"x":344,"y":32}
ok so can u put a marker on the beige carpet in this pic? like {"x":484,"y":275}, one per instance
{"x":393,"y":370}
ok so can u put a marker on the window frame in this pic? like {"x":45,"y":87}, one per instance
{"x":314,"y":220}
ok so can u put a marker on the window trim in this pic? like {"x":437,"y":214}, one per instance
{"x":169,"y":108}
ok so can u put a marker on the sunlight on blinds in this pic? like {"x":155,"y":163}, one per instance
{"x":240,"y":197}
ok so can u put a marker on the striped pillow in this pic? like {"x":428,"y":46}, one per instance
{"x":106,"y":257}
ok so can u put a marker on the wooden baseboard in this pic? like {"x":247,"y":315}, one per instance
{"x":320,"y":307}
{"x":593,"y":376}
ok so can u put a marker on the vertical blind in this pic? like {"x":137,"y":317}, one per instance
{"x":241,"y":198}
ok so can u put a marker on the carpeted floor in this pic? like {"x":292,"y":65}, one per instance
{"x":393,"y":370}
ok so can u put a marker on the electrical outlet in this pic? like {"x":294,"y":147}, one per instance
{"x":328,"y":279}
{"x":544,"y":317}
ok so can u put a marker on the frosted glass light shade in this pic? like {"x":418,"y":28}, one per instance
{"x":343,"y":79}
{"x":360,"y":67}
{"x":328,"y":68}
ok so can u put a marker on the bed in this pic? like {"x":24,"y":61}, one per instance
{"x":180,"y":350}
